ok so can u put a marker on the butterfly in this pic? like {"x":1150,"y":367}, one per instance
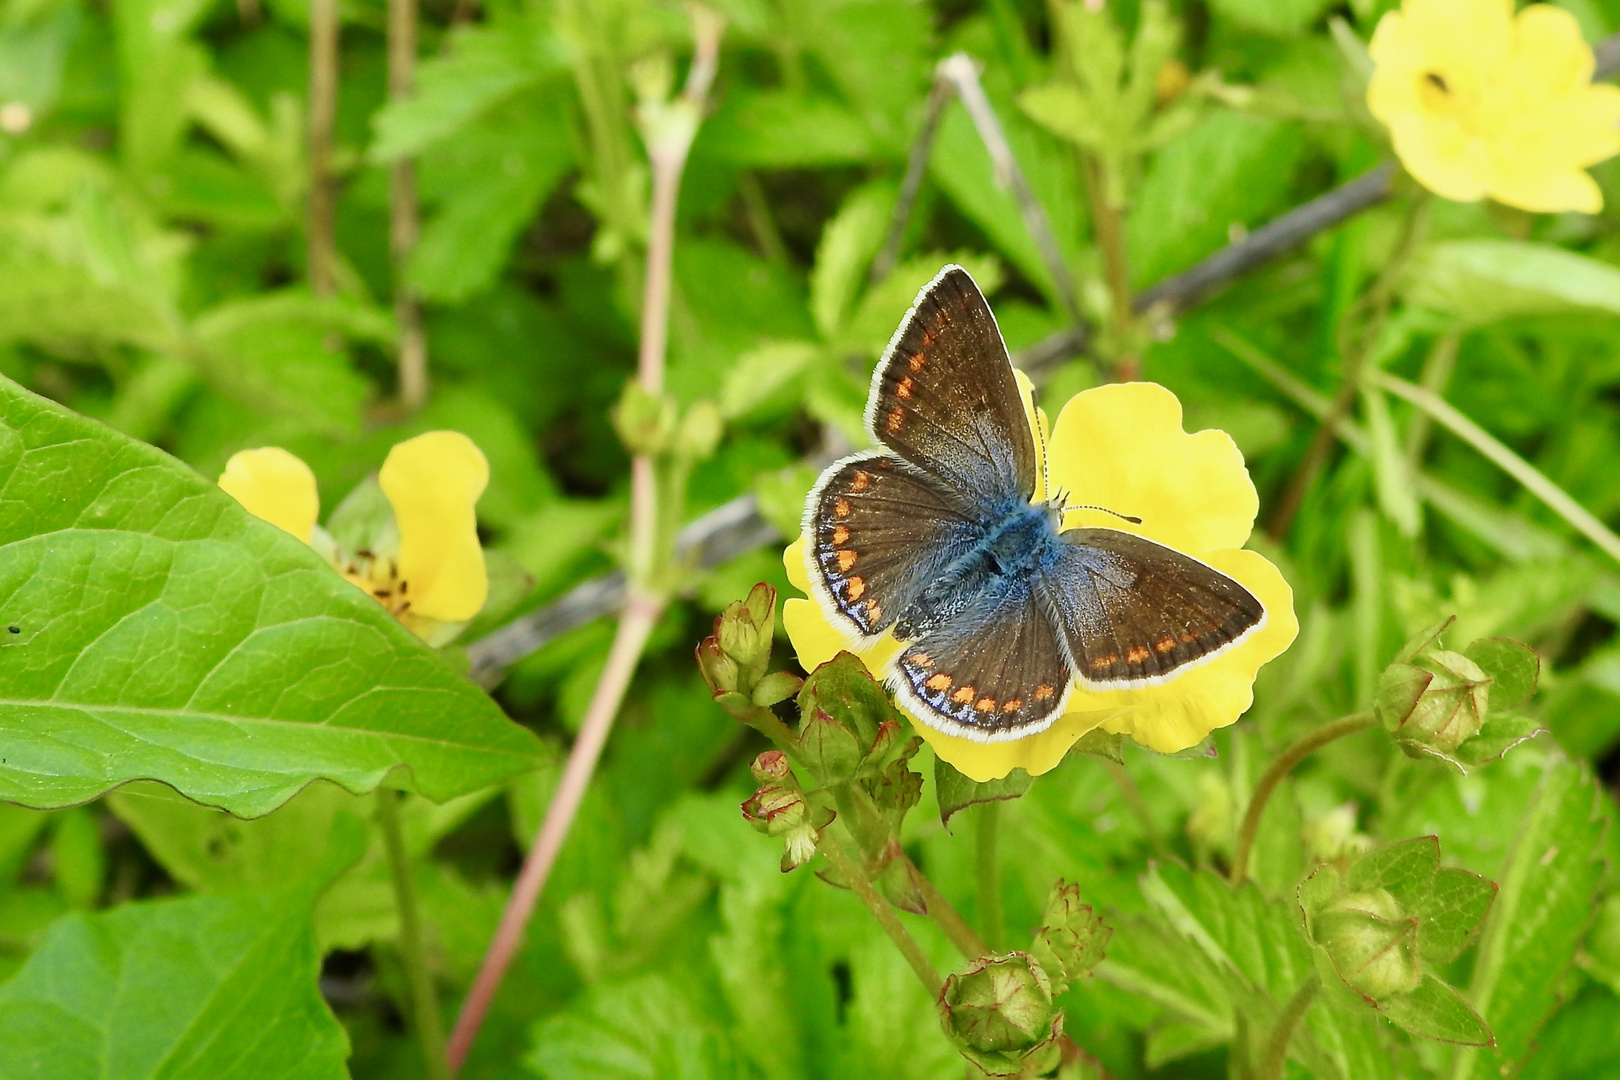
{"x":934,"y":535}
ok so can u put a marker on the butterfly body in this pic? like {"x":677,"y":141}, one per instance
{"x":938,"y":538}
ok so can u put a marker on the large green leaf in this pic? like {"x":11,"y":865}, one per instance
{"x":205,"y":987}
{"x":152,"y":629}
{"x":644,"y":1028}
{"x":1547,"y":898}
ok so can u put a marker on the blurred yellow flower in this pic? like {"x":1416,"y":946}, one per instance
{"x":1117,"y":446}
{"x":425,"y":565}
{"x":1480,"y":102}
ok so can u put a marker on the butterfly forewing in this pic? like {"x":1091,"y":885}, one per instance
{"x":879,"y":531}
{"x":991,"y":674}
{"x":1135,"y":612}
{"x":944,"y":396}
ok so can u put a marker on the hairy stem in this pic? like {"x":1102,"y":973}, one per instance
{"x":987,"y":854}
{"x":635,"y":625}
{"x":323,"y":89}
{"x":1276,"y":1059}
{"x":1299,"y":751}
{"x":646,"y":594}
{"x":404,"y":213}
{"x":852,"y":872}
{"x":412,"y":951}
{"x":946,"y":917}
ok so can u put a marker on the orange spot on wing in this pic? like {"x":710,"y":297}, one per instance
{"x":985,"y":704}
{"x":1101,"y":663}
{"x":846,"y":559}
{"x":1164,"y":644}
{"x":1188,"y":636}
{"x":928,"y":339}
{"x":856,"y":587}
{"x":941,"y":682}
{"x":1044,"y":692}
{"x":1136,"y":654}
{"x":917,"y":361}
{"x":904,"y":387}
{"x":921,"y":659}
{"x":1012,"y":705}
{"x":874,"y":610}
{"x":840,"y":535}
{"x":841,"y":508}
{"x":964,"y":695}
{"x":897,"y":416}
{"x":861,"y":481}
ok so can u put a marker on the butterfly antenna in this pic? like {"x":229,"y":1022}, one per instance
{"x":1134,"y":520}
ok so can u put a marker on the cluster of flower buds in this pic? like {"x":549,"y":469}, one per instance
{"x":779,"y":808}
{"x":1380,"y":923}
{"x":1454,"y":705}
{"x":1001,"y":1010}
{"x":733,"y":659}
{"x":650,"y":426}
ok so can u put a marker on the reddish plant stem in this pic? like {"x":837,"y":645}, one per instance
{"x":323,"y":80}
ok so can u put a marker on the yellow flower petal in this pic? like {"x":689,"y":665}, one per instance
{"x":276,"y":486}
{"x":1481,"y":103}
{"x":433,"y":482}
{"x":1122,"y":447}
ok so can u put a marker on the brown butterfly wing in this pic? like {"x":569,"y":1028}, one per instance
{"x":1135,"y":613}
{"x":944,"y":396}
{"x":879,"y":531}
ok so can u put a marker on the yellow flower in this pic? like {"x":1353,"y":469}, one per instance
{"x":1480,"y":102}
{"x":425,"y":564}
{"x":1123,"y":447}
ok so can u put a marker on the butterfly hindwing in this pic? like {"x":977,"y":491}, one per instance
{"x":1135,"y":612}
{"x":996,"y":672}
{"x":944,"y":396}
{"x":878,"y":531}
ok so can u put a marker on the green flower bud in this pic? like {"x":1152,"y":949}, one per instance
{"x":645,"y":423}
{"x":1000,"y":1004}
{"x":719,"y":670}
{"x":771,"y":767}
{"x":1372,"y":942}
{"x":829,"y":749}
{"x":775,"y":809}
{"x":1071,"y":939}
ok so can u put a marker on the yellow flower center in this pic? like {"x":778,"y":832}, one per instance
{"x":379,"y":577}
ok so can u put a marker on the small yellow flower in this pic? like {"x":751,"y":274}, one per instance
{"x":1120,"y":446}
{"x":425,"y":565}
{"x":1482,"y":103}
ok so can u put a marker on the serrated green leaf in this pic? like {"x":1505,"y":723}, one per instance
{"x":203,"y":987}
{"x":1513,"y":667}
{"x":1496,"y":737}
{"x":1406,"y":868}
{"x":956,"y":792}
{"x":1452,"y":914}
{"x":1103,"y":744}
{"x":1547,"y":898}
{"x":762,"y":374}
{"x":629,"y":1031}
{"x":165,"y":633}
{"x":849,"y":241}
{"x":777,"y":129}
{"x":1436,"y":1011}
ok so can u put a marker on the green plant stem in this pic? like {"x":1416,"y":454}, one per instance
{"x":322,"y":199}
{"x":851,"y":872}
{"x":1533,"y":479}
{"x":768,"y":724}
{"x":946,"y":917}
{"x":1437,"y":369}
{"x":424,"y":1002}
{"x":404,"y":216}
{"x":1299,"y":751}
{"x":987,"y":834}
{"x":1106,"y":223}
{"x":1276,"y":1059}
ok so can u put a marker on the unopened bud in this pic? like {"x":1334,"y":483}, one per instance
{"x":775,"y":809}
{"x":1371,"y":941}
{"x":999,"y":1004}
{"x":1071,"y":939}
{"x":645,"y":423}
{"x":828,"y":748}
{"x":771,"y":767}
{"x":719,"y":670}
{"x":1439,"y":701}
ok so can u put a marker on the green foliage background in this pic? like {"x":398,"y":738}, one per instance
{"x":152,"y":247}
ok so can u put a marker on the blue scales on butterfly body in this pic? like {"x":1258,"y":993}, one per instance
{"x":935,"y":537}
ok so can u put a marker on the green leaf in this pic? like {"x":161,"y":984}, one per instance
{"x":1513,"y":666}
{"x":848,"y":243}
{"x":1103,"y":744}
{"x":776,"y":129}
{"x":203,"y":987}
{"x":631,"y":1031}
{"x":843,"y":688}
{"x":759,"y":376}
{"x":1436,"y":1011}
{"x":1481,"y":281}
{"x":165,"y":633}
{"x":1496,"y":737}
{"x":1279,"y":17}
{"x":957,"y":792}
{"x":1548,"y":893}
{"x":1452,"y":914}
